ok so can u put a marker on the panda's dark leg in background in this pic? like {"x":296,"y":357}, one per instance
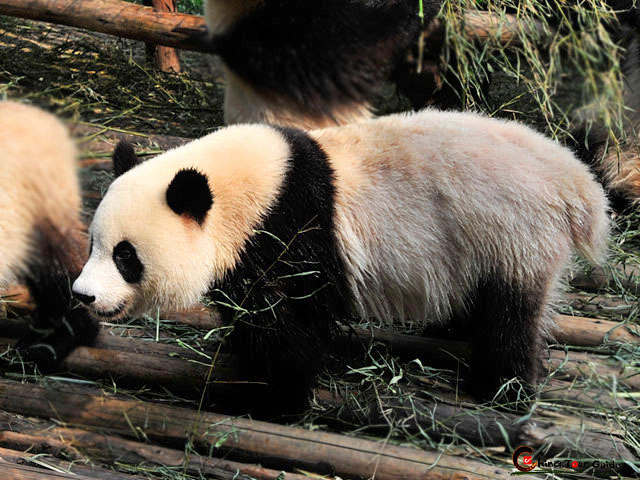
{"x":506,"y":337}
{"x":57,"y":326}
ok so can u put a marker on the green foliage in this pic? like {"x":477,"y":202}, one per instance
{"x":557,"y":43}
{"x":194,"y":7}
{"x":191,"y":6}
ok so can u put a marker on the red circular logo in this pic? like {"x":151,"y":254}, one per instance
{"x":574,"y":464}
{"x":527,"y":464}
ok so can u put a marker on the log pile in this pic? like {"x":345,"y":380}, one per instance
{"x":87,"y":424}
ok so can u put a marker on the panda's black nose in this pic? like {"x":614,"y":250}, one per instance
{"x":86,"y":299}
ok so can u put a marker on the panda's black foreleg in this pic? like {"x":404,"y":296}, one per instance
{"x":283,"y":356}
{"x":507,"y":342}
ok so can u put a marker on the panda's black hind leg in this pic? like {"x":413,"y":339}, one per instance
{"x":57,"y":327}
{"x":506,"y":340}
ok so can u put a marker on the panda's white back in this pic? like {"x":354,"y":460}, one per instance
{"x":428,"y":202}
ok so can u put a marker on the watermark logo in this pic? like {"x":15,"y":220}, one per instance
{"x":525,"y":462}
{"x":523,"y":459}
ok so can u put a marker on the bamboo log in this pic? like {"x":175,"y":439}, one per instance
{"x":626,"y":277}
{"x":488,"y":427}
{"x":598,"y":303}
{"x":286,"y":447}
{"x":48,"y":438}
{"x":130,"y":359}
{"x":505,"y":29}
{"x":74,"y":468}
{"x":589,"y":332}
{"x":571,"y":365}
{"x":24,"y":472}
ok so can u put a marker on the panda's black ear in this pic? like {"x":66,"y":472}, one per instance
{"x":189,"y":194}
{"x":124,"y":158}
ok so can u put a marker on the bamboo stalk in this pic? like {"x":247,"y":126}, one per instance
{"x":286,"y":447}
{"x":487,"y":427}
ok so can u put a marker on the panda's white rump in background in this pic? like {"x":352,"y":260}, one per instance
{"x":42,"y":242}
{"x":424,"y":217}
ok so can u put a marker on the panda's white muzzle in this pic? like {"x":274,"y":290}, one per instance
{"x":102,"y":289}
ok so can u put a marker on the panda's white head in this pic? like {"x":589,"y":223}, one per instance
{"x":169,"y":228}
{"x":149,"y":246}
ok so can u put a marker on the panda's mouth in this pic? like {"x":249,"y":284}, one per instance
{"x":111,"y":314}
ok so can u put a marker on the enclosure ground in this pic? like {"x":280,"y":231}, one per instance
{"x":141,"y":402}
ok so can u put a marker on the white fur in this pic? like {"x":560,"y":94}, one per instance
{"x":427,"y":205}
{"x":39,"y":185}
{"x":182,"y":259}
{"x":427,"y":202}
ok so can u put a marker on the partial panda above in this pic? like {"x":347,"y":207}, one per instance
{"x":42,"y":239}
{"x":309,"y":64}
{"x":426,"y":217}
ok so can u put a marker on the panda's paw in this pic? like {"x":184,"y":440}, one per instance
{"x":75,"y":329}
{"x":41,"y":353}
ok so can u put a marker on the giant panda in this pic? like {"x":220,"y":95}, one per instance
{"x":42,"y":239}
{"x":308,"y":64}
{"x":432,"y":217}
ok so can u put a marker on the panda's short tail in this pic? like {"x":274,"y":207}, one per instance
{"x":590,"y":223}
{"x":618,"y":168}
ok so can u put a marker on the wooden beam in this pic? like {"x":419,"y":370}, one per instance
{"x":24,"y":472}
{"x":22,"y":458}
{"x":59,"y":442}
{"x":115,"y":17}
{"x":166,"y":59}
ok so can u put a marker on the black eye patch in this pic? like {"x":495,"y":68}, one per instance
{"x":127,"y":261}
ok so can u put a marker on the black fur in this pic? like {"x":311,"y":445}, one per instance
{"x":322,"y":53}
{"x":57,"y":327}
{"x":189,"y":194}
{"x":126,"y":259}
{"x":504,"y":322}
{"x":291,"y":282}
{"x":124,"y":158}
